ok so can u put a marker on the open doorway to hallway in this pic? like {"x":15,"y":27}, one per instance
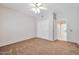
{"x":62,"y":30}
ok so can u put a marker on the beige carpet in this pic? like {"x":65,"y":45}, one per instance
{"x":41,"y":47}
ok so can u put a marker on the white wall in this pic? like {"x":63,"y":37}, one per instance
{"x":45,"y":27}
{"x":68,"y":12}
{"x":15,"y":26}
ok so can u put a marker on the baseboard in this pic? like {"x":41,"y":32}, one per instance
{"x":9,"y":43}
{"x":30,"y":39}
{"x":21,"y":40}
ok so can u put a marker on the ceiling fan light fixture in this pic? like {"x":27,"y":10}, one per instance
{"x":33,"y":9}
{"x":37,"y":7}
{"x":38,"y":10}
{"x":39,"y":4}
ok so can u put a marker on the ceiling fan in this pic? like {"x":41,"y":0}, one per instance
{"x":37,"y":7}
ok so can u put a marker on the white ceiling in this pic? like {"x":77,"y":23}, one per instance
{"x":59,"y":8}
{"x":25,"y":8}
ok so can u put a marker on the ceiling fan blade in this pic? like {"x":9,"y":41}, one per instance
{"x":32,"y":4}
{"x":42,"y":8}
{"x":39,"y":4}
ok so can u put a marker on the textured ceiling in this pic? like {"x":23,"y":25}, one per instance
{"x":59,"y":8}
{"x":25,"y":8}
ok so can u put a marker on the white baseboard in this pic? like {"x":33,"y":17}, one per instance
{"x":11,"y":42}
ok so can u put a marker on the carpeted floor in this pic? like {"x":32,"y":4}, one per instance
{"x":41,"y":47}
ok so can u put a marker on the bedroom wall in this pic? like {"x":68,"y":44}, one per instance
{"x":45,"y":27}
{"x":70,"y":14}
{"x":67,"y":12}
{"x":15,"y":26}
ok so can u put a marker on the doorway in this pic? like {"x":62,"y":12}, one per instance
{"x":61,"y":30}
